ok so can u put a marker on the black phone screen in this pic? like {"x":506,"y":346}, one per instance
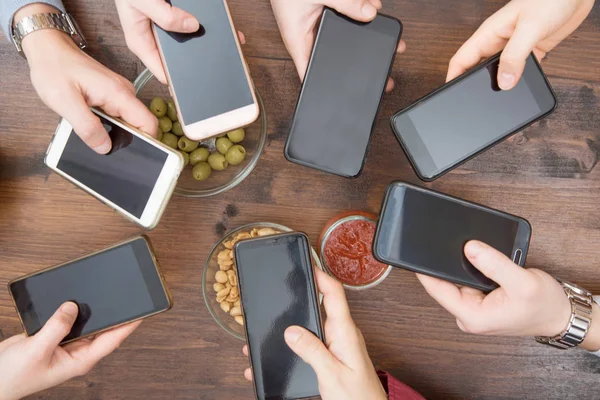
{"x":277,"y":290}
{"x":340,"y":97}
{"x":205,"y":68}
{"x":426,"y":232}
{"x":126,"y":176}
{"x":469,"y":115}
{"x":110,"y":288}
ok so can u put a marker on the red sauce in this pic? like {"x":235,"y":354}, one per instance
{"x":348,"y":253}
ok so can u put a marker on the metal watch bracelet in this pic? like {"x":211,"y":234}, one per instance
{"x":580,"y":321}
{"x":62,"y":22}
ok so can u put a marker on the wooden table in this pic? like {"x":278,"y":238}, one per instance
{"x":547,"y":174}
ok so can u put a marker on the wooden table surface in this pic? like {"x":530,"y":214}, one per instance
{"x":547,"y":174}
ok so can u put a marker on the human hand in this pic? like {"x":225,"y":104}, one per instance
{"x":297,"y":21}
{"x":517,"y":29}
{"x":343,"y":367}
{"x":69,"y":81}
{"x":31,"y":364}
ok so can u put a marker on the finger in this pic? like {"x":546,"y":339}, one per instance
{"x":312,"y":350}
{"x":334,"y":299}
{"x":497,"y":266}
{"x":390,"y":85}
{"x":248,"y":374}
{"x":124,"y":104}
{"x":143,"y":45}
{"x":245,"y":350}
{"x":377,"y":4}
{"x":242,"y":37}
{"x":514,"y":56}
{"x":401,"y":47}
{"x":166,"y":16}
{"x":86,"y":124}
{"x":359,"y":10}
{"x":56,"y":328}
{"x":107,"y":342}
{"x":446,"y":294}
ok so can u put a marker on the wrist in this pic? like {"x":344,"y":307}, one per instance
{"x":592,"y":339}
{"x":32,"y":9}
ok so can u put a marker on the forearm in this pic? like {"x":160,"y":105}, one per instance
{"x":14,"y":10}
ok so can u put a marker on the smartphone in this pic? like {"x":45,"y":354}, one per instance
{"x":277,"y":290}
{"x":343,"y":87}
{"x":111,"y":287}
{"x":469,"y":115}
{"x":425,"y":231}
{"x":136,"y":178}
{"x":206,"y":71}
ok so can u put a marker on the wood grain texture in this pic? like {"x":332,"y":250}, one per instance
{"x":548,"y":174}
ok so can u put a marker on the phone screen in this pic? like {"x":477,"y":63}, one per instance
{"x":112,"y":287}
{"x":470,"y":115}
{"x":205,"y":68}
{"x":277,"y":290}
{"x":340,"y":97}
{"x":126,"y":176}
{"x":426,"y":232}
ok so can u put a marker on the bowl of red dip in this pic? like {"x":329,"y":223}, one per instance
{"x":346,"y":245}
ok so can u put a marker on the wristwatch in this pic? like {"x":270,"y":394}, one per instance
{"x":580,"y":321}
{"x":62,"y":22}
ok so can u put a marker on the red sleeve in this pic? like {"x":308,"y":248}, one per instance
{"x":397,"y":390}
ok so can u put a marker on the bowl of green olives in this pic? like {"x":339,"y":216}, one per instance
{"x":212,"y":166}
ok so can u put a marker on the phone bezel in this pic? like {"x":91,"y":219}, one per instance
{"x":457,"y":80}
{"x":162,"y":191}
{"x":286,"y":151}
{"x":221,"y":123}
{"x":522,"y":236}
{"x":315,"y":291}
{"x":123,"y":243}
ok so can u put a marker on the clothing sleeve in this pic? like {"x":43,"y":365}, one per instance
{"x":597,"y":300}
{"x":8,"y":8}
{"x":397,"y":390}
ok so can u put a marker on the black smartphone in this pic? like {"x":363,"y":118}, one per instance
{"x":277,"y":290}
{"x":343,"y":87}
{"x":469,"y":115}
{"x":111,"y":287}
{"x":425,"y":231}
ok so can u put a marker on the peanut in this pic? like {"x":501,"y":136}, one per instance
{"x":221,"y":277}
{"x":218,"y":287}
{"x":240,"y":320}
{"x":235,"y":311}
{"x":226,"y":306}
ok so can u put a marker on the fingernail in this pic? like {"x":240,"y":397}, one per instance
{"x":104,"y":147}
{"x":368,"y":10}
{"x":70,"y":309}
{"x":473,"y":248}
{"x":292,"y":334}
{"x":506,"y":81}
{"x":190,"y":25}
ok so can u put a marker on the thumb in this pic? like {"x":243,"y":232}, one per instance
{"x":310,"y":349}
{"x":57,"y":327}
{"x":172,"y":19}
{"x":514,"y":56}
{"x":359,"y":10}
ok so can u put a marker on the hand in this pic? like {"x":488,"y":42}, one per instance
{"x":342,"y":365}
{"x":520,"y":27}
{"x":69,"y":81}
{"x":297,"y":21}
{"x":136,"y":18}
{"x":529,"y":302}
{"x":31,"y":364}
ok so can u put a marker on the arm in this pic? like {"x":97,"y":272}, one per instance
{"x":8,"y":9}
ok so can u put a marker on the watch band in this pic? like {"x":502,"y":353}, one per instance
{"x":62,"y":22}
{"x":580,"y":321}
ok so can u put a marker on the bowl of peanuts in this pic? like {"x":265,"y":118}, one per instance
{"x":220,"y":281}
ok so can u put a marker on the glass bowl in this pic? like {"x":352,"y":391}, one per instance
{"x":148,"y":87}
{"x":223,"y":319}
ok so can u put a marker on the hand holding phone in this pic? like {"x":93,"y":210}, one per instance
{"x":32,"y":364}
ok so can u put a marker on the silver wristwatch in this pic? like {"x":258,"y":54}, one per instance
{"x":62,"y":22}
{"x":580,"y":321}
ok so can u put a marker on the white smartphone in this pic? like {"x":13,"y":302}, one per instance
{"x":136,"y":178}
{"x":206,"y":71}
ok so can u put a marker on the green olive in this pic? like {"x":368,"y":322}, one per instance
{"x":199,"y":155}
{"x":186,"y":157}
{"x":170,"y":140}
{"x":223,"y":144}
{"x":217,"y":161}
{"x":236,"y":155}
{"x":237,"y":136}
{"x":186,"y":144}
{"x":159,"y":136}
{"x":177,"y":129}
{"x":171,"y":111}
{"x":201,"y":171}
{"x":165,"y":124}
{"x":158,"y":107}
